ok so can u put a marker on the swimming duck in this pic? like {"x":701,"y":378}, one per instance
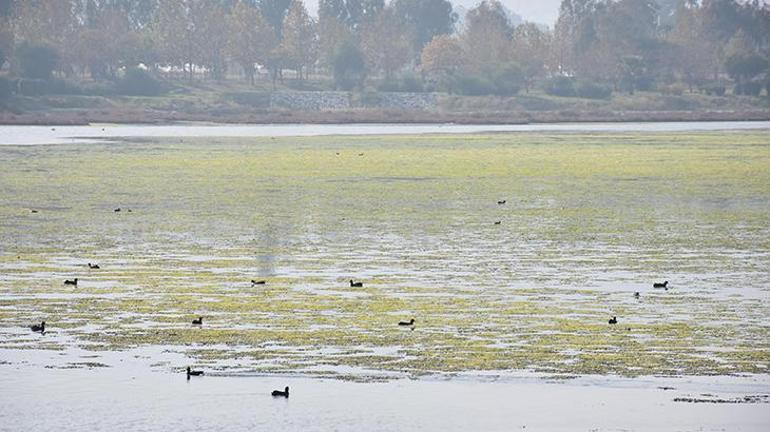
{"x":637,"y":295}
{"x":71,"y":282}
{"x":406,"y":323}
{"x":278,"y":393}
{"x":613,"y":320}
{"x":117,"y":210}
{"x":93,"y":266}
{"x":501,"y":202}
{"x":191,"y":372}
{"x":660,"y":285}
{"x":258,"y":282}
{"x":34,"y":211}
{"x":356,"y":284}
{"x":498,"y":222}
{"x":198,"y":321}
{"x":38,"y":328}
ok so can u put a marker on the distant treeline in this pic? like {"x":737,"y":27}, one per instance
{"x":596,"y":46}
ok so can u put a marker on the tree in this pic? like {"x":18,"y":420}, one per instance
{"x":441,"y":59}
{"x":348,"y":66}
{"x":692,"y":53}
{"x":487,"y":36}
{"x":530,"y":50}
{"x":250,"y":38}
{"x":353,"y":13}
{"x":385,"y":43}
{"x":426,"y":18}
{"x":274,"y":11}
{"x":742,"y":62}
{"x":37,"y":61}
{"x":6,"y":40}
{"x":211,"y":36}
{"x":331,"y":34}
{"x":300,"y":39}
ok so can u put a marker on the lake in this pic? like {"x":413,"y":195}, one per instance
{"x":511,"y":300}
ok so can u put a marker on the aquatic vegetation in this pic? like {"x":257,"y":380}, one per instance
{"x":589,"y":219}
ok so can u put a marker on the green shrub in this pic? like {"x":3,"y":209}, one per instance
{"x":713,"y":89}
{"x":407,"y":82}
{"x":37,"y":61}
{"x":6,"y":88}
{"x":507,"y":79}
{"x":473,"y":85}
{"x":560,"y":86}
{"x":751,"y":88}
{"x":252,"y":99}
{"x":348,"y":66}
{"x":32,"y":87}
{"x":139,"y":82}
{"x":674,"y":89}
{"x":590,"y":90}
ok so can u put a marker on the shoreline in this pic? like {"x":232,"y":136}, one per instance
{"x":86,"y":117}
{"x":133,"y":396}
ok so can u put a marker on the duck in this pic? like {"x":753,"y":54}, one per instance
{"x":38,"y":328}
{"x":356,"y":284}
{"x":191,"y":372}
{"x":93,"y":266}
{"x":34,"y":211}
{"x":613,"y":320}
{"x":198,"y":321}
{"x":637,"y":295}
{"x":284,"y":393}
{"x":498,"y":222}
{"x":501,"y":202}
{"x":117,"y":210}
{"x":660,"y":285}
{"x":258,"y":282}
{"x":406,"y":323}
{"x":71,"y":282}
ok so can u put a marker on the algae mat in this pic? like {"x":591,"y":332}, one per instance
{"x":588,"y":220}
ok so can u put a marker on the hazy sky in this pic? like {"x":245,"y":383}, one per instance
{"x":540,"y":11}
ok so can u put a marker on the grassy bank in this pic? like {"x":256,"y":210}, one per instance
{"x":234,"y":103}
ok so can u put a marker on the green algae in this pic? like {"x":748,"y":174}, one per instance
{"x":589,"y":219}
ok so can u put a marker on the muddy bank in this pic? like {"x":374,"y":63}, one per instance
{"x":149,"y":116}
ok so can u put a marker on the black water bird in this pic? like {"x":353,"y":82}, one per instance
{"x":356,"y":284}
{"x":501,"y":202}
{"x":278,"y":393}
{"x":93,"y":266}
{"x":71,"y":282}
{"x":34,"y":211}
{"x":117,"y":210}
{"x":198,"y":321}
{"x":191,"y":372}
{"x":38,"y":328}
{"x":660,"y":285}
{"x":406,"y":323}
{"x":258,"y":282}
{"x":613,"y":320}
{"x":498,"y":222}
{"x":637,"y":295}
